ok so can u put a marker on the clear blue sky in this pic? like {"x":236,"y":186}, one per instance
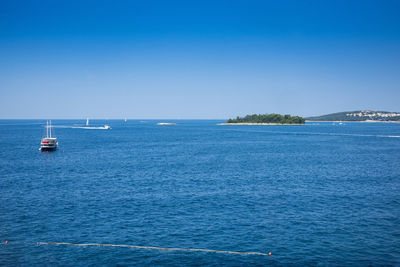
{"x":197,"y":59}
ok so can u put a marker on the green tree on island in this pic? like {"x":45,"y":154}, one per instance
{"x":268,"y":118}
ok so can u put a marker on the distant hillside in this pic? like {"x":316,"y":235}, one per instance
{"x":359,"y":115}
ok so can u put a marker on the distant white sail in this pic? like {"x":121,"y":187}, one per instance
{"x":87,"y":122}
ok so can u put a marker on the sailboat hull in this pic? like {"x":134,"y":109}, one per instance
{"x":48,"y":144}
{"x":47,"y":148}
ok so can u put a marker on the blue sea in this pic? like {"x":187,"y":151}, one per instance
{"x":314,"y":194}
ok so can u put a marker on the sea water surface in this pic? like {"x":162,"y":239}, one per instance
{"x":318,"y":194}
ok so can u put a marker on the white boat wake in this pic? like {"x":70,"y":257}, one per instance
{"x":84,"y":127}
{"x":320,"y":133}
{"x":91,"y":128}
{"x":156,"y":248}
{"x":87,"y":127}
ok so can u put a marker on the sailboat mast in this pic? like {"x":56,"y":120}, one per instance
{"x":50,"y":129}
{"x":47,"y":128}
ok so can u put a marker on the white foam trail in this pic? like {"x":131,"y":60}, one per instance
{"x":90,"y":128}
{"x":156,"y":248}
{"x":360,"y":135}
{"x":82,"y":127}
{"x":319,"y":133}
{"x":20,"y":124}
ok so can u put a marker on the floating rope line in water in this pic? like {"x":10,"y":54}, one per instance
{"x":157,"y":248}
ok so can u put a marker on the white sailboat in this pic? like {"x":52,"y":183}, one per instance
{"x":49,"y":142}
{"x":87,"y":122}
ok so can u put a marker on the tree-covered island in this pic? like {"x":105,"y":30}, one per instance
{"x":272,"y":118}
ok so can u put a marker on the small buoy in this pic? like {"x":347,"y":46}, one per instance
{"x":6,"y":242}
{"x":270,"y":253}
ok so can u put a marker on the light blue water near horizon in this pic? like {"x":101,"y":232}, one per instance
{"x":317,"y":194}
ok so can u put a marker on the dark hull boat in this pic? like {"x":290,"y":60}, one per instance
{"x":48,"y":143}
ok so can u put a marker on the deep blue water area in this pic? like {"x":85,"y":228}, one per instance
{"x":318,"y":194}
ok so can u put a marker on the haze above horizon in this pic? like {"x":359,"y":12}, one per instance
{"x":192,"y":60}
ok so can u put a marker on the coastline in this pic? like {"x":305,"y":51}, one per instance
{"x":367,"y":121}
{"x":253,"y":123}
